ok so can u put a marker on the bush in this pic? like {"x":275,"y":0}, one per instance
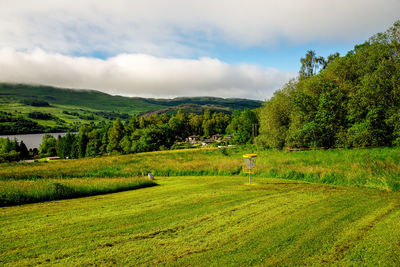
{"x":40,"y":116}
{"x":10,"y":156}
{"x":36,"y":103}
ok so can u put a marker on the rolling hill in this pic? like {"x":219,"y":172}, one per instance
{"x":35,"y":108}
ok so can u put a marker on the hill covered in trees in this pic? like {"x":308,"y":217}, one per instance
{"x":31,"y":109}
{"x":348,"y":101}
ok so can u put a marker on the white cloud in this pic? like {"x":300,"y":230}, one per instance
{"x":142,"y":75}
{"x":148,"y":39}
{"x":182,"y":27}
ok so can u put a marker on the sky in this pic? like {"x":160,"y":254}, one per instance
{"x":172,"y":48}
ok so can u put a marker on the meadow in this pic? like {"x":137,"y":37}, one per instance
{"x":377,"y":168}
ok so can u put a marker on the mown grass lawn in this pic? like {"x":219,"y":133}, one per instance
{"x":207,"y":221}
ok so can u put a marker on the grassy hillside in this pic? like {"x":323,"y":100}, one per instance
{"x":205,"y":221}
{"x":232,"y":103}
{"x":71,"y":108}
{"x":189,"y":108}
{"x":85,"y":99}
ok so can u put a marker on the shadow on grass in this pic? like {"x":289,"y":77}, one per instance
{"x":284,"y":183}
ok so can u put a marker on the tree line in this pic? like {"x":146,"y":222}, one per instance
{"x":151,"y":133}
{"x":12,"y":150}
{"x":348,"y":101}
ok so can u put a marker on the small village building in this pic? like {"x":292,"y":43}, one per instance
{"x":208,"y":141}
{"x":53,"y":158}
{"x":193,"y":139}
{"x":229,"y":137}
{"x":217,"y":137}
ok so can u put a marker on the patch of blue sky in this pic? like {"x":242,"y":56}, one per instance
{"x":284,"y":57}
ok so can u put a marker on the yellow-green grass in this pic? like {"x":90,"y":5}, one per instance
{"x":374,"y":168}
{"x":208,"y":221}
{"x":54,"y":109}
{"x":14,"y":192}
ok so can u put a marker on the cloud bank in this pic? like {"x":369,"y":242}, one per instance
{"x":185,"y":28}
{"x":142,"y":75}
{"x":144,"y":43}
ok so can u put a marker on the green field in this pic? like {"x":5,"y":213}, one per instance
{"x":372,"y":168}
{"x":334,"y":207}
{"x":208,"y":221}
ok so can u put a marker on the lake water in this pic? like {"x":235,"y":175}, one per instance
{"x":31,"y":140}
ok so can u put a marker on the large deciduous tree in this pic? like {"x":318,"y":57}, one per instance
{"x":351,"y":101}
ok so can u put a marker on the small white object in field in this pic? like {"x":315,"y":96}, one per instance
{"x":150,"y":175}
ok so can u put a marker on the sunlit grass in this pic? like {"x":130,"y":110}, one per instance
{"x":14,"y":192}
{"x":208,"y":221}
{"x":54,"y":109}
{"x":374,"y":168}
{"x":204,"y":212}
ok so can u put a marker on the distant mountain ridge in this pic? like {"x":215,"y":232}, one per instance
{"x":60,"y":109}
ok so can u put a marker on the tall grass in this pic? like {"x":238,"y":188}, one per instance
{"x":14,"y":192}
{"x":374,"y":168}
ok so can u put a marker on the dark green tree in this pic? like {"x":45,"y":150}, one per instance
{"x":83,"y":139}
{"x":243,"y":126}
{"x":115,"y":135}
{"x":23,"y":150}
{"x":48,"y":146}
{"x":94,"y":143}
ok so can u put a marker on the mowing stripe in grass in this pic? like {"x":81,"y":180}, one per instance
{"x":209,"y":221}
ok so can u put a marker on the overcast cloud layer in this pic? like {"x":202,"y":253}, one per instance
{"x":170,"y":27}
{"x":146,"y":41}
{"x":142,"y":75}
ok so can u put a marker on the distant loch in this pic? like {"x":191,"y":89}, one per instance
{"x":31,"y":140}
